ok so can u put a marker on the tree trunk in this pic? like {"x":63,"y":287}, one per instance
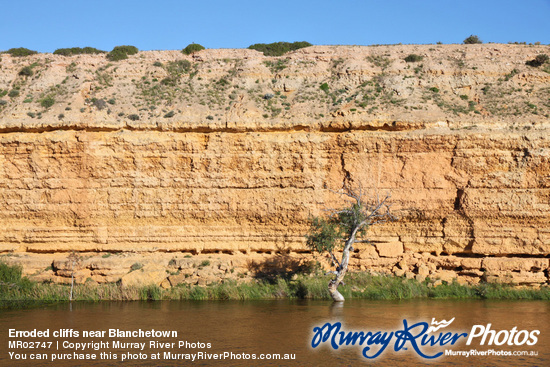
{"x":341,"y":271}
{"x":333,"y":290}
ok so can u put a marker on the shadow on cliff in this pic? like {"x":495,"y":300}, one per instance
{"x":282,"y":266}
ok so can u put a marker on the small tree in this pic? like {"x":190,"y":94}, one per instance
{"x":473,"y":39}
{"x":121,"y":53}
{"x":539,"y":60}
{"x":21,"y":52}
{"x":342,"y":228}
{"x":192,"y":48}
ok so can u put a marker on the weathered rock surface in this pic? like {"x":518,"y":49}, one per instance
{"x":468,"y":165}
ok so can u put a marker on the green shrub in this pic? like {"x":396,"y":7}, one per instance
{"x":121,"y":53}
{"x":3,"y":103}
{"x":133,"y":117}
{"x":10,"y":274}
{"x":150,"y":293}
{"x":26,"y":71}
{"x":47,"y":101}
{"x":413,"y":58}
{"x":434,"y":89}
{"x":210,"y":117}
{"x":473,"y":39}
{"x":539,"y":60}
{"x":324,"y":87}
{"x":169,"y":81}
{"x":99,"y":103}
{"x":278,"y":48}
{"x":192,"y":48}
{"x":176,"y":68}
{"x":136,"y":266}
{"x":77,"y":51}
{"x":13,"y":93}
{"x":169,"y":114}
{"x":20,"y":52}
{"x":157,"y":64}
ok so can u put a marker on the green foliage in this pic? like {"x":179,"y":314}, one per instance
{"x":278,"y":48}
{"x":20,"y":52}
{"x":13,"y":93}
{"x":150,"y":293}
{"x":434,"y":89}
{"x":223,"y":82}
{"x":47,"y":101}
{"x":323,"y":235}
{"x":473,"y":39}
{"x":177,"y":68}
{"x":77,"y":51}
{"x":133,"y":117}
{"x":99,"y":103}
{"x":329,"y":234}
{"x":358,"y":285}
{"x":10,"y":274}
{"x":380,"y":61}
{"x":192,"y":48}
{"x":157,"y":64}
{"x":12,"y":285}
{"x":169,"y":114}
{"x":414,"y":58}
{"x":26,"y":71}
{"x":276,"y":66}
{"x":511,"y":74}
{"x":3,"y":102}
{"x":136,"y":266}
{"x":121,"y":53}
{"x":324,"y":87}
{"x":539,"y":60}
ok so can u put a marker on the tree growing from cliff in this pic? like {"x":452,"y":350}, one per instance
{"x":341,"y":228}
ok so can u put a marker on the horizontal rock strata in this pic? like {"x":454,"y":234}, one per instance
{"x":471,"y":190}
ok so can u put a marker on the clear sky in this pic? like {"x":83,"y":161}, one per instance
{"x":45,"y":25}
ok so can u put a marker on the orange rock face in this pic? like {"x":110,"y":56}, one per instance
{"x":472,"y":201}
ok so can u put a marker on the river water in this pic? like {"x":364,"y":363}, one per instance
{"x":251,"y":329}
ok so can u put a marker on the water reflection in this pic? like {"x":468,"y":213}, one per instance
{"x":283,"y":327}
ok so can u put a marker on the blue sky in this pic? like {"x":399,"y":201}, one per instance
{"x":44,"y":25}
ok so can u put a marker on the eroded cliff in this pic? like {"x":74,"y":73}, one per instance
{"x":171,"y":161}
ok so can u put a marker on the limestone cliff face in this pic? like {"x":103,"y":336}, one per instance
{"x":231,"y":152}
